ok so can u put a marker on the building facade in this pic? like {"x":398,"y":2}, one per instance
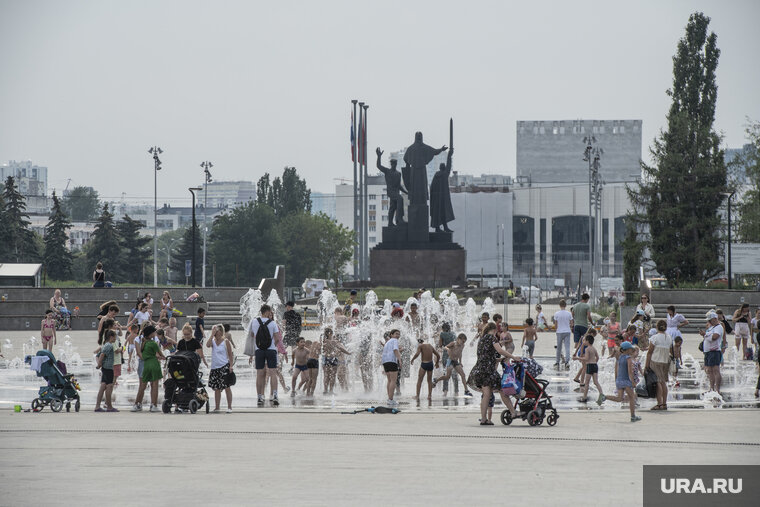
{"x":323,"y":203}
{"x":32,"y":182}
{"x":227,"y":194}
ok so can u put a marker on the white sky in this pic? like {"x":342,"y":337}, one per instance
{"x":88,"y":86}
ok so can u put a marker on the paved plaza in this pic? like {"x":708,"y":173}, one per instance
{"x":289,"y":457}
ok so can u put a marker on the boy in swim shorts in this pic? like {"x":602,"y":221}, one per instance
{"x":299,"y":358}
{"x":590,"y":359}
{"x":427,"y":352}
{"x":677,"y":342}
{"x":312,"y":363}
{"x":454,"y":363}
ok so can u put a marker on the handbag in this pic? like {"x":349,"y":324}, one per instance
{"x":230,"y":379}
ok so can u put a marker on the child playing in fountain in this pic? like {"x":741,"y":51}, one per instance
{"x":578,"y":355}
{"x":529,"y":337}
{"x":390,"y":358}
{"x":132,"y":333}
{"x":623,"y":379}
{"x":677,"y":342}
{"x":330,"y":348}
{"x":299,"y":358}
{"x":590,"y":358}
{"x":427,"y":352}
{"x":105,"y":364}
{"x":315,"y":350}
{"x":454,"y":363}
{"x":47,"y":331}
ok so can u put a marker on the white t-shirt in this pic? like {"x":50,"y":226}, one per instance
{"x":675,"y":320}
{"x":563,"y":318}
{"x":273,"y":329}
{"x":541,"y":319}
{"x":662,"y":343}
{"x":142,"y":317}
{"x":708,"y":344}
{"x":388,"y":355}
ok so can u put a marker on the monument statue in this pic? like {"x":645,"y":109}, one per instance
{"x":441,"y":211}
{"x":394,"y":189}
{"x":417,"y":156}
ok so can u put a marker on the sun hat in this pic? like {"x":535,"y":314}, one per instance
{"x":626,"y":346}
{"x":711,"y":315}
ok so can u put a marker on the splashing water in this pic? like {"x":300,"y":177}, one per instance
{"x":250,"y":306}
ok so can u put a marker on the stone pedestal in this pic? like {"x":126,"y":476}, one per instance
{"x":418,"y":267}
{"x":418,"y":223}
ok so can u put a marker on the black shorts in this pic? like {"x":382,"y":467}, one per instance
{"x":312,"y":364}
{"x":106,"y":376}
{"x":712,"y":358}
{"x":427,"y":366}
{"x":390,"y":366}
{"x":592,"y":368}
{"x":268,"y":357}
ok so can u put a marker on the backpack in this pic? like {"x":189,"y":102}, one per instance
{"x":263,"y":337}
{"x":510,"y":385}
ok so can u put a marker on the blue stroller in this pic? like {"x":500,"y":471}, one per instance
{"x":60,"y":388}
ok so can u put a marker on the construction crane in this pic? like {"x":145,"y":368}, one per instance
{"x":68,"y":182}
{"x":343,"y":181}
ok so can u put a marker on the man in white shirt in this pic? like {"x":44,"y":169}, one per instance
{"x":266,"y":355}
{"x":563,"y":321}
{"x":713,"y":337}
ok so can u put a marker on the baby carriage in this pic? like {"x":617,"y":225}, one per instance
{"x":532,"y":401}
{"x":61,"y":388}
{"x":184,"y":387}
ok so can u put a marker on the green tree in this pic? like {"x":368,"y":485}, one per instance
{"x":285,"y":196}
{"x":81,"y":204}
{"x":184,"y":251}
{"x":136,"y":254}
{"x":21,"y":244}
{"x":748,"y":204}
{"x":633,"y":251}
{"x":246,"y":245}
{"x":336,"y":248}
{"x":680,"y":193}
{"x":57,"y":257}
{"x":104,"y":245}
{"x":168,"y":244}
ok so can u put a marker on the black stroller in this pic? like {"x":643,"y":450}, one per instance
{"x":533,"y":402}
{"x":184,"y":387}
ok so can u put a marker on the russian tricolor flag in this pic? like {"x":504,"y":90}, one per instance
{"x":353,"y":139}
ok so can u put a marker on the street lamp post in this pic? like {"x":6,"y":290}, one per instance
{"x":206,"y":166}
{"x":192,"y":265}
{"x":155,"y":151}
{"x":729,"y":195}
{"x":592,"y":155}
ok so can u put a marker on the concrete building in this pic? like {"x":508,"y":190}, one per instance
{"x":323,"y":203}
{"x":483,"y":226}
{"x":552,"y":151}
{"x":169,"y":218}
{"x":377,"y":212}
{"x":228,"y":194}
{"x":32,"y":181}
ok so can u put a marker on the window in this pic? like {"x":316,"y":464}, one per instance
{"x":621,"y":129}
{"x":385,"y":218}
{"x":385,"y":197}
{"x":372,"y":197}
{"x":601,"y":127}
{"x":372,"y":228}
{"x":371,"y":207}
{"x":562,"y":130}
{"x":372,"y":239}
{"x":385,"y":207}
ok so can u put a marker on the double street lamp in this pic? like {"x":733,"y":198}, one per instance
{"x":206,"y":166}
{"x":155,"y":151}
{"x":728,"y":252}
{"x":192,"y":265}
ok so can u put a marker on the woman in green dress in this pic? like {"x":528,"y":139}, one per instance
{"x":151,"y":353}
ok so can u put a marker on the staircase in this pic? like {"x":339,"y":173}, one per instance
{"x":218,"y":312}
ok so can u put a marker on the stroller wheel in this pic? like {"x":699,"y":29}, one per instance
{"x":208,"y":407}
{"x":37,"y":405}
{"x":551,"y":420}
{"x":166,"y":407}
{"x":534,"y":419}
{"x":56,"y":405}
{"x":193,"y":406}
{"x":68,"y":406}
{"x":77,"y":405}
{"x":506,"y":417}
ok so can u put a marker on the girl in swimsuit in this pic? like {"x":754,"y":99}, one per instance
{"x":47,"y":331}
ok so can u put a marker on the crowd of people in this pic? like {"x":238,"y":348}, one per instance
{"x":270,"y":342}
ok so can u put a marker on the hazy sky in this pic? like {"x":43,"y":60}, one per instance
{"x":88,"y":86}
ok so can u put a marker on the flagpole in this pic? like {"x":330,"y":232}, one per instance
{"x":354,"y":150}
{"x":360,"y":145}
{"x":365,"y":199}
